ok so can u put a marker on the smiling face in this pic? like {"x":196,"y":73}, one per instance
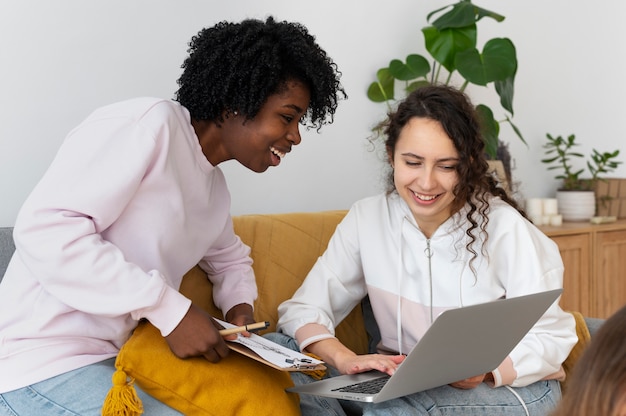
{"x":262,"y":141}
{"x":424,"y":163}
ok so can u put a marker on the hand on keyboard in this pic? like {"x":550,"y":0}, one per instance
{"x":362,"y":363}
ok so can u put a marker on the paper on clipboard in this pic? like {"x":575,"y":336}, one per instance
{"x":270,"y":353}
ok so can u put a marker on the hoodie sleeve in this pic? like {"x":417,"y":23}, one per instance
{"x":330,"y":291}
{"x":535,"y":266}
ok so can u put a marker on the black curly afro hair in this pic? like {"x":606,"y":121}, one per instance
{"x":237,"y":66}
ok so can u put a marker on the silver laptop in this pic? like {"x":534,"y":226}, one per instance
{"x":461,"y":343}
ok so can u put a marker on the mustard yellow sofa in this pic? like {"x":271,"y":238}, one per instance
{"x":284,"y":248}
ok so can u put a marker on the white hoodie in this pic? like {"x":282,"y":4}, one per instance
{"x":379,"y":250}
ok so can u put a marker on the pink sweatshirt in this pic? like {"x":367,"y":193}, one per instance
{"x":127,"y":207}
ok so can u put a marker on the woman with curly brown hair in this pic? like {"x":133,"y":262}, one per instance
{"x":443,"y":236}
{"x":134,"y":199}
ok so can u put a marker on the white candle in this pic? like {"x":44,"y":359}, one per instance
{"x":550,"y":206}
{"x":534,"y":207}
{"x":556,"y":220}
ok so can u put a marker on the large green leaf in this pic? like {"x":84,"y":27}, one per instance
{"x":490,"y":130}
{"x":383,"y":89}
{"x":446,"y":44}
{"x":497,"y":62}
{"x":516,"y":130}
{"x":415,"y":85}
{"x":505,"y":90}
{"x":480,"y":13}
{"x":462,"y":14}
{"x":416,"y":66}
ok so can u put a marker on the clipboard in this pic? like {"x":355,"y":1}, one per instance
{"x":271,"y":353}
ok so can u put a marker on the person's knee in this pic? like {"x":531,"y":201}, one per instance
{"x":283,"y":340}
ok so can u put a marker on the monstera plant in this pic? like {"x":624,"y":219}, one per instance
{"x":451,"y":40}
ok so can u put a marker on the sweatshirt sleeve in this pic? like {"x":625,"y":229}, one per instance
{"x":229,"y":268}
{"x":58,"y":230}
{"x":536,"y":266}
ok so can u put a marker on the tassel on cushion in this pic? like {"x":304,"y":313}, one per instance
{"x":122,"y":399}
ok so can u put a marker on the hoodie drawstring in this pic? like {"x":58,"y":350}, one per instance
{"x":429,"y":255}
{"x":399,"y":302}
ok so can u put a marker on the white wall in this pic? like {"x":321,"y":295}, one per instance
{"x":61,"y":59}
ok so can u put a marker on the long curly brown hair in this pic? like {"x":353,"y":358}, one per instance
{"x":456,"y":114}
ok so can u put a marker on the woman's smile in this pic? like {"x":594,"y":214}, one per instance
{"x":423,"y":198}
{"x":276,"y":155}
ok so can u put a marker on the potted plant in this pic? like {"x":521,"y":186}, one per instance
{"x":576,"y":197}
{"x":451,"y":41}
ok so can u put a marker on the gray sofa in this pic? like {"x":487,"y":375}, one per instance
{"x":7,"y":247}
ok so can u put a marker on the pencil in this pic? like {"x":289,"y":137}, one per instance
{"x":249,"y":327}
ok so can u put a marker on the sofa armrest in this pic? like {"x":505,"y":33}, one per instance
{"x":7,"y":247}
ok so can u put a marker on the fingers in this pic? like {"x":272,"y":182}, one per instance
{"x":383,"y":363}
{"x":214,"y":355}
{"x":469,"y":383}
{"x":197,"y":336}
{"x":389,"y":364}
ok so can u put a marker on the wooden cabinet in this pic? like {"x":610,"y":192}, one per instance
{"x":594,"y":256}
{"x":576,"y":253}
{"x":609,"y":286}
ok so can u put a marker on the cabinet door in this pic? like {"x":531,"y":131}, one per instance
{"x":576,"y":251}
{"x":609,"y":285}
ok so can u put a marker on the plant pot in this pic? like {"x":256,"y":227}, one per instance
{"x":576,"y":205}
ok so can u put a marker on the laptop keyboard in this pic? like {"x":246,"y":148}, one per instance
{"x":366,"y":387}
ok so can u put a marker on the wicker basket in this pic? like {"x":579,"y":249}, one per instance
{"x":611,"y":197}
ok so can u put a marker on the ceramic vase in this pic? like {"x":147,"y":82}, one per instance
{"x":576,"y":205}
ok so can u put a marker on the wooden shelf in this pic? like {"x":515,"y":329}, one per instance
{"x":594,"y":256}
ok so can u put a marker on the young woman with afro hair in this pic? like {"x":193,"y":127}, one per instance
{"x":134,"y":199}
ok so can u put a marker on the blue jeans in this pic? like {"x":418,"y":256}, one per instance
{"x":78,"y":392}
{"x":539,"y":398}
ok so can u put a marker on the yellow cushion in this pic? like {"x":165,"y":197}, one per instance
{"x":237,"y":385}
{"x":583,"y":340}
